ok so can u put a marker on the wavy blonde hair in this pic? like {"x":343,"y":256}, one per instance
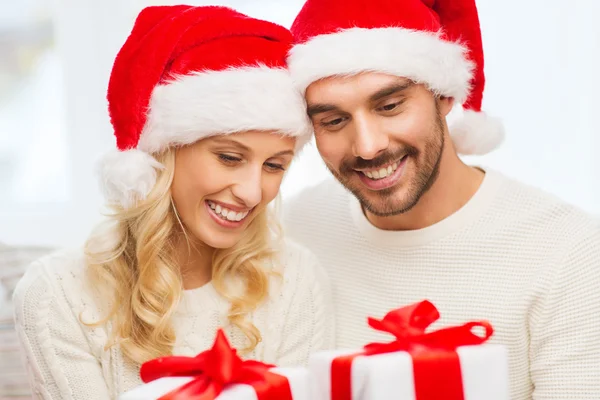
{"x":131,"y":261}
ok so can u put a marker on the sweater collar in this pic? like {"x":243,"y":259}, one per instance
{"x":472,"y":210}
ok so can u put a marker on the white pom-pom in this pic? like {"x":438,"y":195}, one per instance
{"x":476,"y":133}
{"x":127,"y":176}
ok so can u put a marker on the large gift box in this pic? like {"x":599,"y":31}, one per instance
{"x":447,"y":364}
{"x":219,"y":374}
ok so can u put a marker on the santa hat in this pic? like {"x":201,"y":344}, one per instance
{"x":187,"y":73}
{"x":433,"y":42}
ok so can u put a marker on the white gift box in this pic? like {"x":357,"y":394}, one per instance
{"x":298,"y":379}
{"x":484,"y":370}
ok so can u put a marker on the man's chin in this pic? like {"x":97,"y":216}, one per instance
{"x":381,"y":209}
{"x":380,"y":204}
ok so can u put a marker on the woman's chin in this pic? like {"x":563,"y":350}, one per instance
{"x":222,"y":243}
{"x":216,"y":239}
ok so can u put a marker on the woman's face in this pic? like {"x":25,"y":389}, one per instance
{"x":221,"y":183}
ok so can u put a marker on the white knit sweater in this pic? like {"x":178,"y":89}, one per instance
{"x":66,"y":360}
{"x":513,"y":255}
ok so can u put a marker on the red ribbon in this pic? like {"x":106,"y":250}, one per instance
{"x":436,"y":364}
{"x":213,"y":370}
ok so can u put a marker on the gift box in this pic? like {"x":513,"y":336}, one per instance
{"x":219,"y":374}
{"x":449,"y":364}
{"x":296,"y":377}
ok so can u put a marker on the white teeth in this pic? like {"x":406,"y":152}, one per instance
{"x":227,"y":214}
{"x":383,"y":172}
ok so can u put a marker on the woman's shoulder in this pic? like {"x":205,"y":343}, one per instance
{"x":294,"y":258}
{"x":301,"y":301}
{"x":59,"y":275}
{"x":292,"y":249}
{"x":299,"y":267}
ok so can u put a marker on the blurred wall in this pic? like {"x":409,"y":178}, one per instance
{"x":541,"y":63}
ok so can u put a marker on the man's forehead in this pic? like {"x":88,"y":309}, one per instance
{"x":336,"y":89}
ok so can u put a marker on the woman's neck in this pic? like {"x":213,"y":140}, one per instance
{"x":195,"y":261}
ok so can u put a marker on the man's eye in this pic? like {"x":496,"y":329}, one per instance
{"x":333,"y":122}
{"x":389,"y":107}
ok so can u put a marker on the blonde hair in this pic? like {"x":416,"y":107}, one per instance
{"x":131,"y":260}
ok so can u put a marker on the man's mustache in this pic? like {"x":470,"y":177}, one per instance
{"x":386,"y":158}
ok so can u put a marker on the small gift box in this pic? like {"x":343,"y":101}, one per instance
{"x":219,"y":374}
{"x":449,"y":364}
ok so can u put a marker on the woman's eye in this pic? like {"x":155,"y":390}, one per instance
{"x":229,"y":159}
{"x":275,"y":167}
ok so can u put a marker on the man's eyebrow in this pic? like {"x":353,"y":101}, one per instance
{"x":315,"y":109}
{"x":395,"y":88}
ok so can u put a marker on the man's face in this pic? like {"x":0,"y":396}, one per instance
{"x":381,"y":136}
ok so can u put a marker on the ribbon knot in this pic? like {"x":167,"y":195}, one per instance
{"x":213,"y":370}
{"x":408,"y":325}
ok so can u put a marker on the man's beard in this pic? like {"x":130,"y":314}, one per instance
{"x":427,"y":171}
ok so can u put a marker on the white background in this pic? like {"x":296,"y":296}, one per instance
{"x":542,"y":59}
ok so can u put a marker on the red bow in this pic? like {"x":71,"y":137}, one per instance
{"x":435,"y":362}
{"x":213,"y":370}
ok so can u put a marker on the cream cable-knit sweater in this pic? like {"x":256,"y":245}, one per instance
{"x":513,"y":255}
{"x":66,"y":360}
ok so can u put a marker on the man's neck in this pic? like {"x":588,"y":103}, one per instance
{"x":454,"y":187}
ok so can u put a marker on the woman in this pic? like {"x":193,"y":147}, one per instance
{"x":206,"y":121}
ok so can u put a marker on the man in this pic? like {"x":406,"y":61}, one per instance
{"x":410,"y":220}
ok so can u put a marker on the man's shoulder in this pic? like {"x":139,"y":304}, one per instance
{"x":535,"y":207}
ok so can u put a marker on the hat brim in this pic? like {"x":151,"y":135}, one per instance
{"x":209,"y":103}
{"x":423,"y":57}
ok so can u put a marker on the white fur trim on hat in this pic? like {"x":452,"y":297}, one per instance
{"x":209,"y":103}
{"x":127,"y":176}
{"x":476,"y":133}
{"x":423,"y":57}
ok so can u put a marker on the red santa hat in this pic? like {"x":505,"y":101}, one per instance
{"x":187,"y":73}
{"x":433,"y":42}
